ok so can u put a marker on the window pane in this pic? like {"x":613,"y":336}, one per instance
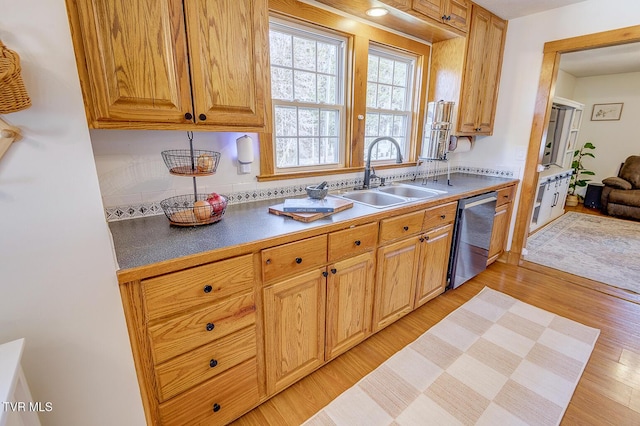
{"x":280,"y":49}
{"x":304,"y":54}
{"x":372,"y":70}
{"x":286,"y":120}
{"x":329,"y":123}
{"x":372,"y":95}
{"x":327,"y":58}
{"x":286,"y":152}
{"x":304,"y":86}
{"x":385,"y":72}
{"x":386,"y":125}
{"x":309,"y":122}
{"x":371,"y":124}
{"x":399,"y":126}
{"x":281,"y":87}
{"x":400,"y":74}
{"x":384,"y":97}
{"x":398,"y":98}
{"x":329,"y":150}
{"x":309,"y":148}
{"x":327,"y":89}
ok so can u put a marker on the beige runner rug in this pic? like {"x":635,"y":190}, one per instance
{"x":493,"y":361}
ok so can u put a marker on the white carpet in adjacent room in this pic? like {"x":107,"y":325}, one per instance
{"x":600,"y":248}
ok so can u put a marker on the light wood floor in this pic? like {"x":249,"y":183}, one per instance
{"x":608,"y":392}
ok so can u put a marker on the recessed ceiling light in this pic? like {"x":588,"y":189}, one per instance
{"x":377,"y":11}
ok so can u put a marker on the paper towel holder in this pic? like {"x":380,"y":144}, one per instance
{"x":244,"y":146}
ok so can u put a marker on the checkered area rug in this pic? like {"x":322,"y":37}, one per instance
{"x":493,"y":361}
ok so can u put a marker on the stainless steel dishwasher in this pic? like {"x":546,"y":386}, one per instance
{"x":471,"y":238}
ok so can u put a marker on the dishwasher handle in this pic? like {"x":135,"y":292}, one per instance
{"x":479,"y":202}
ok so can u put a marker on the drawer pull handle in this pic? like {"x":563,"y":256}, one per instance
{"x":325,"y":274}
{"x":357,"y":242}
{"x":216,"y":407}
{"x":334,"y":270}
{"x":406,"y":228}
{"x":442,"y":216}
{"x":213,"y":363}
{"x":298,"y":260}
{"x":208,"y":288}
{"x":210,"y":326}
{"x":506,"y":196}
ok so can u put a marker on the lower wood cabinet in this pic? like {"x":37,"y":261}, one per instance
{"x":434,"y":261}
{"x":294,"y":312}
{"x":349,"y":302}
{"x":501,"y":222}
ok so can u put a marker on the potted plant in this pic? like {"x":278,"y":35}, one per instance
{"x":577,"y":178}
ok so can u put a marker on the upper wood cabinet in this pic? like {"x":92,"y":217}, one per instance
{"x":451,"y":12}
{"x":173,"y":64}
{"x":467,"y":71}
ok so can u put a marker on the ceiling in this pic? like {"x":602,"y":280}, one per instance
{"x":606,"y":60}
{"x":510,"y":9}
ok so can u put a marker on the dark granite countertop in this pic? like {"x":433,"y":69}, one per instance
{"x":151,"y":240}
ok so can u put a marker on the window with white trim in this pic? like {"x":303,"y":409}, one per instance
{"x":390,"y":79}
{"x":307,"y":89}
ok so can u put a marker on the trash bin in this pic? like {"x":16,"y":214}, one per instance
{"x":592,"y":197}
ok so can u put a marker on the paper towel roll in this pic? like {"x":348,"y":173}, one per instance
{"x":463,"y":144}
{"x":245,"y":149}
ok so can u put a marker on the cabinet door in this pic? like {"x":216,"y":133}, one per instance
{"x":457,"y":13}
{"x":491,"y":74}
{"x":396,"y":276}
{"x":349,"y":303}
{"x":499,"y":232}
{"x":228,"y":42}
{"x":431,"y":8}
{"x":294,"y":328}
{"x":434,"y":261}
{"x":136,"y":57}
{"x":473,"y":79}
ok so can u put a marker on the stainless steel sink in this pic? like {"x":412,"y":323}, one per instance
{"x":374,"y":198}
{"x":388,"y":196}
{"x":409,"y":191}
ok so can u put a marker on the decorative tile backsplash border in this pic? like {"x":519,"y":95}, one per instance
{"x":426,"y":170}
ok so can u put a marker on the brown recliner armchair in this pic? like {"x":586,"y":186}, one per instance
{"x":621,"y":194}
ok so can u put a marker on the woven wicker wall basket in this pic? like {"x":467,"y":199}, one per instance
{"x":13,"y":95}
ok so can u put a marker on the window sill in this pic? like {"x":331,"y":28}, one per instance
{"x":298,"y":175}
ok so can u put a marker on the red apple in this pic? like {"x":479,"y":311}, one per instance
{"x":217,"y":202}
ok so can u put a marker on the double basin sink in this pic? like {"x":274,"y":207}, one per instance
{"x":387,"y":196}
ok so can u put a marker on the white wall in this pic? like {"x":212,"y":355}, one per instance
{"x":614,"y":140}
{"x":57,"y":274}
{"x":565,"y":85}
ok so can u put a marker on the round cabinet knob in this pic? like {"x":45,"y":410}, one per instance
{"x":334,"y":270}
{"x":208,"y":288}
{"x":210,"y":326}
{"x":357,"y":242}
{"x":422,"y":239}
{"x":325,"y":274}
{"x":202,"y":117}
{"x":426,"y":238}
{"x":216,"y":407}
{"x":213,"y":363}
{"x":442,"y":216}
{"x":406,"y":228}
{"x":478,"y":129}
{"x":298,"y":260}
{"x":188,"y":116}
{"x":268,"y":261}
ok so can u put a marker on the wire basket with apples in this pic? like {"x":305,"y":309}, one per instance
{"x":190,"y":210}
{"x":184,"y":162}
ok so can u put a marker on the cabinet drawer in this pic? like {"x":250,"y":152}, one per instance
{"x":439,"y":216}
{"x":401,"y":226}
{"x":505,"y":196}
{"x":293,"y":258}
{"x":196,"y":328}
{"x":192,"y":368}
{"x":178,"y":291}
{"x":352,"y":241}
{"x":216,"y":401}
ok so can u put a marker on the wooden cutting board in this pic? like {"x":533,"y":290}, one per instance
{"x":341,"y":205}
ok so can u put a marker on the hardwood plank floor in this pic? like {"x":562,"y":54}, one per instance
{"x":608,"y":392}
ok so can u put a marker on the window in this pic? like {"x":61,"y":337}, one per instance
{"x":390,"y":75}
{"x":307,"y":85}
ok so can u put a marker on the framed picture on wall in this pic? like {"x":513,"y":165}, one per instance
{"x":606,"y":112}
